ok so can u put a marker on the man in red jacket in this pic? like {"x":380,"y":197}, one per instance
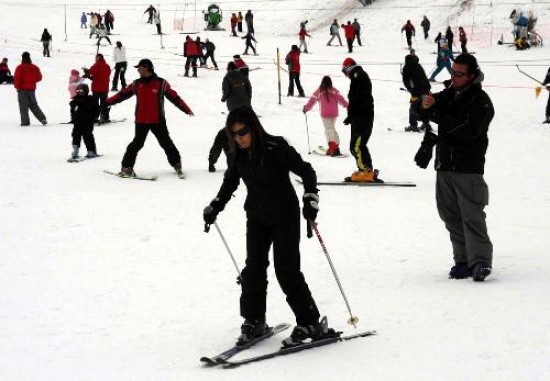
{"x":100,"y":74}
{"x":150,"y":91}
{"x":349,"y":31}
{"x":293,"y":62}
{"x":26,"y":76}
{"x":191,"y":53}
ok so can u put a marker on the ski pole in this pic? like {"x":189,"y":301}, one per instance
{"x":230,"y":253}
{"x":353,"y":320}
{"x":307,"y":133}
{"x":527,"y":75}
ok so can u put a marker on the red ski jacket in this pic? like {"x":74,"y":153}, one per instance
{"x":293,"y":61}
{"x":100,"y":73}
{"x":26,"y":76}
{"x":150,"y":93}
{"x":191,"y":49}
{"x":349,"y":31}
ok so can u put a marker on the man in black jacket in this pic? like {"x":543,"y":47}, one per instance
{"x":463,"y":112}
{"x":361,"y":118}
{"x":264,"y":163}
{"x":416,"y":82}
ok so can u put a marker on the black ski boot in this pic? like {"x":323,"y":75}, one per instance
{"x":251,"y":329}
{"x":316,"y":331}
{"x":480,"y":271}
{"x":460,"y":271}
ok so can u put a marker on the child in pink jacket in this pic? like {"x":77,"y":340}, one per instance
{"x":328,"y":98}
{"x":74,"y":80}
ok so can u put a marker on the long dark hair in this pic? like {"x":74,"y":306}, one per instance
{"x":248,"y":117}
{"x":325,"y":87}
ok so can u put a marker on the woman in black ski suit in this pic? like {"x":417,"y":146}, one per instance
{"x":263,"y":162}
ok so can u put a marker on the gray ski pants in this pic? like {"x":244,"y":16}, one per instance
{"x":27,"y":100}
{"x":461,"y":198}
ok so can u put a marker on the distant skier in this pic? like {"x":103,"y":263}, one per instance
{"x":349,"y":32}
{"x":302,"y":34}
{"x":84,"y":113}
{"x":103,"y":34}
{"x":191,"y":53}
{"x":5,"y":73}
{"x":233,"y":21}
{"x":27,"y":75}
{"x":410,"y":32}
{"x":329,"y":98}
{"x":109,"y":21}
{"x":361,"y":118}
{"x":444,"y":58}
{"x":210,"y":48}
{"x":151,"y":12}
{"x":292,"y":61}
{"x":248,"y":43}
{"x":150,"y":91}
{"x":249,"y":19}
{"x":425,"y":24}
{"x":46,"y":42}
{"x":121,"y":64}
{"x":334,"y":32}
{"x":449,"y":36}
{"x":100,"y":75}
{"x":463,"y":39}
{"x":240,"y":19}
{"x":357,"y":28}
{"x":416,"y":82}
{"x":83,"y":21}
{"x":157,"y":21}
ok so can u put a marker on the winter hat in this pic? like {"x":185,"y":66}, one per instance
{"x":74,"y":72}
{"x":26,"y":55}
{"x":82,"y":89}
{"x":348,"y":64}
{"x":145,"y":62}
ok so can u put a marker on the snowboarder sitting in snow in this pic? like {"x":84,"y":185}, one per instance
{"x":263,"y":162}
{"x":5,"y":73}
{"x":84,"y":112}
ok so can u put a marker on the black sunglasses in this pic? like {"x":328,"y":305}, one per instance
{"x":242,"y":132}
{"x":458,"y":74}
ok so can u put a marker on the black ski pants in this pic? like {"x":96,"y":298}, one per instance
{"x":100,"y":98}
{"x":211,"y":55}
{"x":350,"y":44}
{"x":84,"y":131}
{"x":120,"y":71}
{"x":163,"y":137}
{"x":285,"y":238}
{"x":361,"y":130}
{"x":294,"y":77}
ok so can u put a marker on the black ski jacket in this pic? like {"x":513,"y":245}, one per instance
{"x":84,"y":109}
{"x":463,"y":120}
{"x":361,"y":103}
{"x":265,"y":171}
{"x":414,"y":77}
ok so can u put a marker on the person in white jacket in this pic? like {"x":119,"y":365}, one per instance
{"x":329,"y":98}
{"x":119,"y":56}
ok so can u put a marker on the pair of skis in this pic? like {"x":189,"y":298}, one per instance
{"x":223,"y":359}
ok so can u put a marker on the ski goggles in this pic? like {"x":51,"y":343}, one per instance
{"x":242,"y":132}
{"x":458,"y":74}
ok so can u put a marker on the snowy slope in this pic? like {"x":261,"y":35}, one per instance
{"x":111,"y":279}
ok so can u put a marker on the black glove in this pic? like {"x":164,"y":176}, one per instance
{"x":347,"y":120}
{"x":311,"y":206}
{"x":210,"y":213}
{"x":424,"y":154}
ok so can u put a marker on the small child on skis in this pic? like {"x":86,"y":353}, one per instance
{"x":329,"y":98}
{"x":84,"y":113}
